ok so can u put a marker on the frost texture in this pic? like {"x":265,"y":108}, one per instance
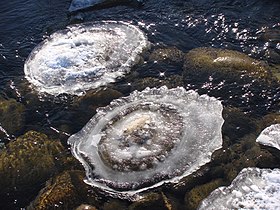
{"x":270,"y":136}
{"x":84,"y":56}
{"x":148,"y":138}
{"x":253,"y":188}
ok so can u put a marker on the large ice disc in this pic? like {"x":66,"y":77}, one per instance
{"x":84,"y":56}
{"x":149,"y":138}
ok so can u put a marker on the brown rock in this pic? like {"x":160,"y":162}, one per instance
{"x":152,"y":201}
{"x":65,"y":191}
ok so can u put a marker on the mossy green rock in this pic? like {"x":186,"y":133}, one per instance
{"x":228,"y":63}
{"x":11,"y":115}
{"x":59,"y":193}
{"x":197,"y":194}
{"x":27,"y":161}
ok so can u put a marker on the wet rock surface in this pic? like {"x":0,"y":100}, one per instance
{"x":65,"y":191}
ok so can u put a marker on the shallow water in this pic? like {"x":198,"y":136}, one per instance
{"x":237,"y":25}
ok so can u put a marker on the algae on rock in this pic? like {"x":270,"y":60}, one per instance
{"x":27,"y":161}
{"x":229,"y":63}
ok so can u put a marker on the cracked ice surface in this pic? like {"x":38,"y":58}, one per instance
{"x":149,"y":138}
{"x":84,"y":56}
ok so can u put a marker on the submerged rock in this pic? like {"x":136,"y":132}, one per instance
{"x":198,"y":193}
{"x":28,"y":161}
{"x":147,"y":139}
{"x":84,"y":56}
{"x":169,"y":55}
{"x":253,"y":188}
{"x":270,"y":136}
{"x":96,"y":98}
{"x":228,"y":63}
{"x":170,"y":82}
{"x":83,"y":4}
{"x":11,"y":116}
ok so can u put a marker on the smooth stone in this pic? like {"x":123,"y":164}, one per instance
{"x":228,"y":63}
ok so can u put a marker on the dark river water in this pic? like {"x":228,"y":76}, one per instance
{"x":231,"y":24}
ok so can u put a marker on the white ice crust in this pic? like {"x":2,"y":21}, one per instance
{"x":270,"y":136}
{"x":200,"y":135}
{"x":84,"y":56}
{"x":253,"y":188}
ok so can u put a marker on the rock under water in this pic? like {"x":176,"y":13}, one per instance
{"x":148,"y":138}
{"x":270,"y":136}
{"x":83,"y":4}
{"x":253,"y":188}
{"x":84,"y":56}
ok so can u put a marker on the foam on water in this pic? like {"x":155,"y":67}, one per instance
{"x":253,"y":188}
{"x":148,"y":138}
{"x":84,"y":56}
{"x":270,"y":136}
